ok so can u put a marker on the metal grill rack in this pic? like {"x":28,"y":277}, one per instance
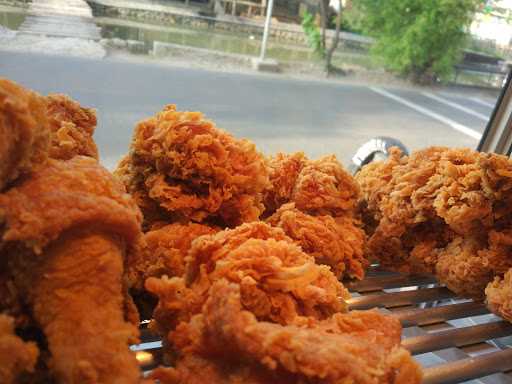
{"x":455,"y":340}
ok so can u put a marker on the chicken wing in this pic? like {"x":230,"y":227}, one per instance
{"x":68,"y":268}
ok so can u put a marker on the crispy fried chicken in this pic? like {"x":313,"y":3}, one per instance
{"x":445,"y":211}
{"x":336,"y":242}
{"x":315,"y":186}
{"x":24,"y":131}
{"x":16,"y":356}
{"x":278,"y":281}
{"x":66,"y":231}
{"x":71,"y":126}
{"x":181,"y":166}
{"x":234,"y":347}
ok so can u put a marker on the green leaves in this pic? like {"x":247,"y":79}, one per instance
{"x":312,"y":33}
{"x":422,"y":39}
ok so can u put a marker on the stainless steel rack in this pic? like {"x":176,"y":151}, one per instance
{"x":455,"y":340}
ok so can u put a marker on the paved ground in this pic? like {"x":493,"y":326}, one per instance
{"x":279,"y":114}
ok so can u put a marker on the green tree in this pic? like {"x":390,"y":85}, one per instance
{"x":422,"y":39}
{"x":317,"y":39}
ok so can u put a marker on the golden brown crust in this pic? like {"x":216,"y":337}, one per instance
{"x":284,"y":170}
{"x":72,"y":127}
{"x":337,"y":243}
{"x":324,"y":187}
{"x":193,"y":170}
{"x":499,"y":295}
{"x":442,"y":210}
{"x":317,"y":187}
{"x":16,"y":356}
{"x":362,"y":347}
{"x":75,"y":293}
{"x":65,"y":194}
{"x":163,"y":252}
{"x":24,"y":131}
{"x":279,"y":282}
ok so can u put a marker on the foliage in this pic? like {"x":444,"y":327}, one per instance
{"x":419,"y":38}
{"x":312,"y":33}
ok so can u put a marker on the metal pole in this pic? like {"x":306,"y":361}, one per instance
{"x":267,"y":28}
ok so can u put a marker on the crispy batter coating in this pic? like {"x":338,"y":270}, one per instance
{"x":358,"y":347}
{"x":284,"y":170}
{"x":67,"y":229}
{"x":278,"y":281}
{"x":16,"y":356}
{"x":315,"y":186}
{"x":193,"y":170}
{"x":337,"y":243}
{"x":163,"y":252}
{"x":24,"y":131}
{"x":442,"y":210}
{"x":324,"y":187}
{"x":499,"y":295}
{"x":72,"y":127}
{"x":65,"y":194}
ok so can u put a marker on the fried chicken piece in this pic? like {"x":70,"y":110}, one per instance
{"x":499,"y":295}
{"x":67,"y":230}
{"x":359,"y":347}
{"x":193,"y":170}
{"x":278,"y":281}
{"x":284,"y":171}
{"x":317,"y":187}
{"x":337,"y":243}
{"x":24,"y":131}
{"x":324,"y":187}
{"x":72,"y":127}
{"x":442,"y":210}
{"x":16,"y":356}
{"x":163,"y":252}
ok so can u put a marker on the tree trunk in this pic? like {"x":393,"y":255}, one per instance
{"x":324,"y":8}
{"x":330,"y":52}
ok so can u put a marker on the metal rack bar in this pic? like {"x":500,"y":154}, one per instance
{"x":470,"y":368}
{"x":457,"y":337}
{"x":396,"y":299}
{"x":420,"y":316}
{"x":379,"y":283}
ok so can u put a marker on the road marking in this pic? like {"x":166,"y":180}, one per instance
{"x":482,"y":102}
{"x":453,"y":124}
{"x":456,"y":106}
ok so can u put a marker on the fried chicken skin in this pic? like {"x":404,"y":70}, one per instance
{"x":336,"y":242}
{"x":66,"y":232}
{"x":499,"y":295}
{"x":24,"y":131}
{"x":185,"y":167}
{"x":358,"y":347}
{"x":284,"y":171}
{"x":278,"y":281}
{"x":315,"y":186}
{"x":71,"y":126}
{"x":16,"y":356}
{"x":440,"y":210}
{"x":163,"y":252}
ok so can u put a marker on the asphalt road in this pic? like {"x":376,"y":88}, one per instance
{"x":277,"y":113}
